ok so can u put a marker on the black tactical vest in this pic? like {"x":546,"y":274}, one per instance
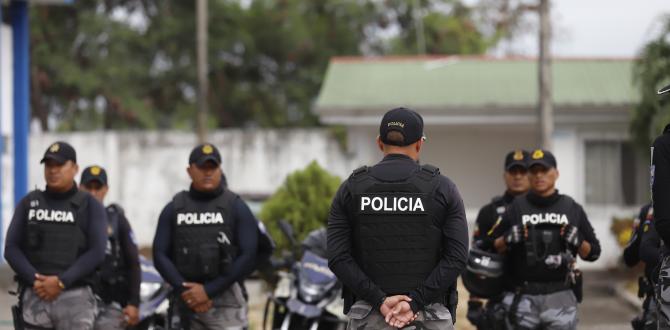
{"x":542,"y":249}
{"x":396,"y":228}
{"x":113,"y":271}
{"x":54,"y":238}
{"x":203,"y":230}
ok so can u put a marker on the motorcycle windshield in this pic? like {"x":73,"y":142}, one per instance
{"x":314,"y":269}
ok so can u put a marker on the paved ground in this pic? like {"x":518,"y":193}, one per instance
{"x":601,"y":309}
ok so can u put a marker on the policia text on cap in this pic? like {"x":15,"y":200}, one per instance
{"x":397,"y":235}
{"x":55,"y":241}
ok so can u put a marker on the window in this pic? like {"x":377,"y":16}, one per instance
{"x":615,"y":173}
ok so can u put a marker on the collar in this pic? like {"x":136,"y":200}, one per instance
{"x":61,"y":195}
{"x":205,"y":195}
{"x":538,"y":200}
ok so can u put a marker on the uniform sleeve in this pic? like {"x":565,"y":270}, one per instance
{"x":133,"y":270}
{"x":660,"y":188}
{"x":340,"y":258}
{"x":454,"y":251}
{"x":650,"y":244}
{"x":13,"y":253}
{"x":589,"y":235}
{"x":247,"y":243}
{"x":162,"y":249}
{"x":502,"y":225}
{"x":485,"y":220}
{"x":631,"y":253}
{"x":96,"y":237}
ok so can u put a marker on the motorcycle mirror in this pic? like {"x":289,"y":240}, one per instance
{"x":664,"y":90}
{"x":287,"y":229}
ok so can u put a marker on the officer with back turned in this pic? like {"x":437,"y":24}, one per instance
{"x":120,"y":275}
{"x":492,"y":316}
{"x":205,"y":243}
{"x":54,"y":243}
{"x":542,"y":232}
{"x":397,"y":235}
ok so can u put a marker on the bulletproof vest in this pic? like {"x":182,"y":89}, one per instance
{"x":544,"y":245}
{"x":113,"y":269}
{"x":396,"y":227}
{"x":204,"y":244}
{"x":54,"y":236}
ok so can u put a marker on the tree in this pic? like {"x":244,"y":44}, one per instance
{"x":303,"y":200}
{"x":651,"y":70}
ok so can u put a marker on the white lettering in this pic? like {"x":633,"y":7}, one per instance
{"x":378,"y":202}
{"x":386,"y":207}
{"x":205,"y":218}
{"x":365,"y":201}
{"x":544,"y":218}
{"x":50,"y":215}
{"x":418,"y":205}
{"x":400,"y":206}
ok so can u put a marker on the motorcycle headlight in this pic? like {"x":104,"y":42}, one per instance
{"x":148,"y":289}
{"x":311,"y":292}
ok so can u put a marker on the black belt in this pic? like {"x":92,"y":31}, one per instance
{"x":534,"y":288}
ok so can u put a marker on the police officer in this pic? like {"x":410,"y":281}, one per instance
{"x":648,"y":252}
{"x":660,"y":188}
{"x":120,"y":274}
{"x":55,"y":241}
{"x":205,"y":243}
{"x":397,"y":235}
{"x":542,"y":233}
{"x":516,"y":181}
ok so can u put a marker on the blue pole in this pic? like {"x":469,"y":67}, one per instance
{"x":21,"y":40}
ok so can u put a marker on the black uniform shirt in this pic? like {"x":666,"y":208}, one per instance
{"x":517,"y":252}
{"x":486,"y":218}
{"x":454,"y":238}
{"x":650,"y":249}
{"x":94,"y":230}
{"x":246,"y":240}
{"x":131,"y":258}
{"x":660,"y":186}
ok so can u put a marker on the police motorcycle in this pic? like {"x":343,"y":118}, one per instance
{"x":154,"y":294}
{"x":309,"y":295}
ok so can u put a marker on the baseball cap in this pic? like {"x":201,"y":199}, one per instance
{"x":516,"y":158}
{"x":203,"y":153}
{"x":61,"y":152}
{"x":94,"y":173}
{"x":542,"y":157}
{"x":403,"y":120}
{"x":664,"y":90}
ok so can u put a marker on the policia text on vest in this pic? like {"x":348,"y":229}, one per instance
{"x":397,"y":235}
{"x":55,"y":241}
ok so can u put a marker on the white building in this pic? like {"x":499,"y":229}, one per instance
{"x":477,"y":109}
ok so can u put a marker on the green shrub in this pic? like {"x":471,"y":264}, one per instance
{"x":303,"y":200}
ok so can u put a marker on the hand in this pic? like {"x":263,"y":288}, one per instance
{"x":516,"y":234}
{"x":393,"y":313}
{"x":204,"y":307}
{"x":571,"y":237}
{"x":194,"y":294}
{"x":401,"y":315}
{"x":47,"y":287}
{"x":131,"y":315}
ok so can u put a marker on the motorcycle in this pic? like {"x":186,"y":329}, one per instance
{"x":308,"y":296}
{"x":154,"y":294}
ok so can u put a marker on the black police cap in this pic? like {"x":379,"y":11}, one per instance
{"x":203,"y":153}
{"x":542,"y":157}
{"x":516,"y":158}
{"x":403,"y":120}
{"x":94,"y":173}
{"x":61,"y":152}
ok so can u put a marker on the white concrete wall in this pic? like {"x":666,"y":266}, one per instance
{"x":6,"y":104}
{"x":147,"y":168}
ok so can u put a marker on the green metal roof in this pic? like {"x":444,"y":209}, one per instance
{"x":471,"y":82}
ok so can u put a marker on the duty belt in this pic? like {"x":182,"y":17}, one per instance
{"x":535,"y":288}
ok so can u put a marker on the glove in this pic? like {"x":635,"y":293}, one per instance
{"x":514,"y":235}
{"x":571,"y":236}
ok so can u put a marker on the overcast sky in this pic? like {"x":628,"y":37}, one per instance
{"x":609,"y":28}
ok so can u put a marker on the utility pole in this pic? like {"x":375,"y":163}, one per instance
{"x":203,"y":83}
{"x":545,"y":108}
{"x":418,"y":26}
